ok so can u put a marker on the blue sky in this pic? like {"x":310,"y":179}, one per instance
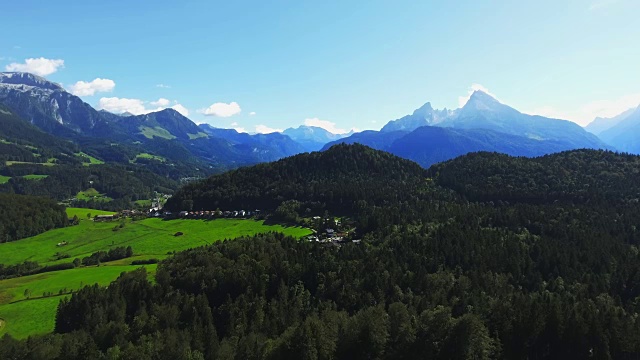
{"x":261,"y":65}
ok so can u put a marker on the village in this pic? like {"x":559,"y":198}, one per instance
{"x":326,"y":230}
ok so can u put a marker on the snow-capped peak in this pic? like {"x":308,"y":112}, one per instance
{"x":28,"y":79}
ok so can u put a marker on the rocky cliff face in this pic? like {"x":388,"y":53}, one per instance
{"x":47,"y":105}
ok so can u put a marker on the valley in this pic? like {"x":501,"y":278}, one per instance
{"x":319,"y":180}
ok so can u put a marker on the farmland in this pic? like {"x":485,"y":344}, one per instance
{"x":26,"y":311}
{"x":23,"y":309}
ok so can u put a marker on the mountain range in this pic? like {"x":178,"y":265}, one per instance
{"x":429,"y":136}
{"x":624,"y":132}
{"x":426,"y":136}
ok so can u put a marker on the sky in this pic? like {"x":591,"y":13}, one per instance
{"x":260,"y":66}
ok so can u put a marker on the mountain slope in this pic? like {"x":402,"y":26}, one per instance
{"x":185,"y":148}
{"x":484,"y":112}
{"x":260,"y":147}
{"x":48,"y":106}
{"x":429,"y":145}
{"x":625,"y":136}
{"x":599,"y":125}
{"x":331,"y":180}
{"x":167,"y":124}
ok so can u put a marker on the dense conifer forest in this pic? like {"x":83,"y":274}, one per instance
{"x":24,"y":216}
{"x":344,"y":179}
{"x":121,"y":183}
{"x":485,"y":256}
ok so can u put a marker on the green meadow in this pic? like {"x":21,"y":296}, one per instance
{"x":92,"y":194}
{"x":92,"y":160}
{"x":149,"y":156}
{"x":23,"y":309}
{"x":5,"y":179}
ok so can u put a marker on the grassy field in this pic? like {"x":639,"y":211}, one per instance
{"x":157,"y":131}
{"x":92,"y":160}
{"x":4,"y":179}
{"x":149,"y":156}
{"x":48,"y":163}
{"x":197,"y":136}
{"x":23,"y":309}
{"x":92,"y":194}
{"x":82,"y":212}
{"x":152,"y":237}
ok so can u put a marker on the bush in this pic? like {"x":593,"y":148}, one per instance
{"x":145,"y":262}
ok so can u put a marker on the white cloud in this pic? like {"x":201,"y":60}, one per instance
{"x":220,"y":109}
{"x":83,"y":88}
{"x":474,"y":87}
{"x":235,"y":123}
{"x":39,"y":66}
{"x":585,"y":113}
{"x":161,"y":102}
{"x":137,"y":106}
{"x":264,"y":129}
{"x":252,"y":113}
{"x":325,"y":124}
{"x":240,"y":129}
{"x":163,"y":86}
{"x":181,"y":109}
{"x":120,"y":105}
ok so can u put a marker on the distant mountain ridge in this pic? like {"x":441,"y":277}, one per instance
{"x":599,"y":124}
{"x":483,"y":123}
{"x":312,"y":138}
{"x":429,"y":136}
{"x":52,"y":109}
{"x":482,"y":111}
{"x":625,"y":134}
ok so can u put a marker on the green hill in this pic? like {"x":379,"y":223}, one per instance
{"x":341,"y":179}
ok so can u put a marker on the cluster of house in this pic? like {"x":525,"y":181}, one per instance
{"x":182,"y":214}
{"x":207,"y":214}
{"x":330,"y":236}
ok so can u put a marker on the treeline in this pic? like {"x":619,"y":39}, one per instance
{"x":583,"y":176}
{"x":24,"y":216}
{"x":104,"y":256}
{"x":33,"y":267}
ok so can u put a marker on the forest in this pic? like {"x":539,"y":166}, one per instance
{"x":123,"y":184}
{"x":485,"y":256}
{"x":340,"y":180}
{"x":25,"y":216}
